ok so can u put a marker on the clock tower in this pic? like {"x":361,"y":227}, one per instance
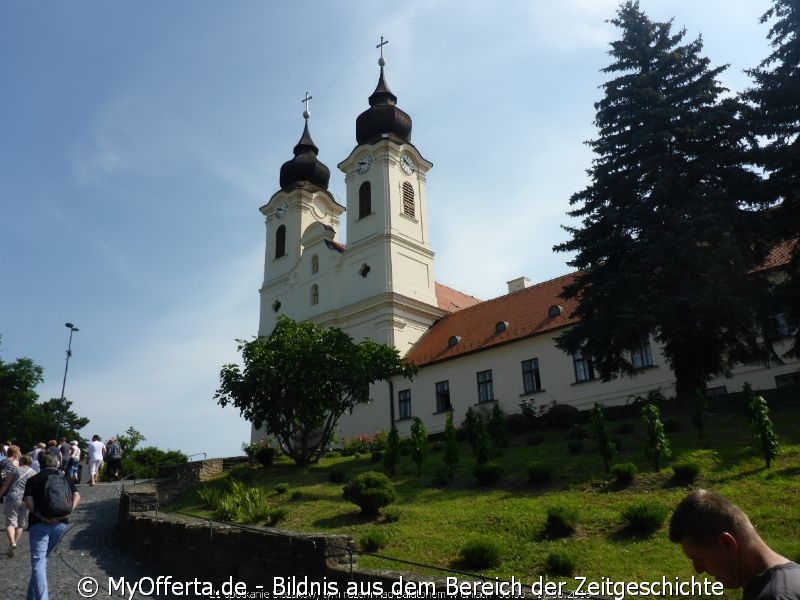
{"x":387,"y":222}
{"x":300,"y":217}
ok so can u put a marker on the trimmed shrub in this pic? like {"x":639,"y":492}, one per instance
{"x":644,"y":517}
{"x":337,"y":475}
{"x":333,"y":454}
{"x":626,"y":428}
{"x":578,"y":433}
{"x":517,"y":424}
{"x":481,"y":553}
{"x":624,"y":473}
{"x":392,"y":453}
{"x":419,"y":443}
{"x":452,"y":453}
{"x":243,"y":472}
{"x":686,"y":471}
{"x":540,"y":472}
{"x":373,"y":540}
{"x":535,"y":439}
{"x":376,"y":456}
{"x":296,"y":495}
{"x":266,"y":455}
{"x":562,"y":416}
{"x":497,"y":427}
{"x":371,"y":491}
{"x":561,"y":521}
{"x":560,"y":563}
{"x":392,"y":514}
{"x":488,"y":472}
{"x":281,"y":488}
{"x":657,"y":446}
{"x":276,"y":515}
{"x":575,"y":446}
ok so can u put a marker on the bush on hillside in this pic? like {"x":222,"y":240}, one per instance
{"x":481,"y":553}
{"x":370,"y":491}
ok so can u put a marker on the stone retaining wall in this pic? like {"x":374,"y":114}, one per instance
{"x":260,"y":557}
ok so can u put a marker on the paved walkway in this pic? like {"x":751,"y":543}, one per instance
{"x":88,"y":549}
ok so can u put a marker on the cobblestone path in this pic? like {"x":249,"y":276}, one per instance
{"x":88,"y":549}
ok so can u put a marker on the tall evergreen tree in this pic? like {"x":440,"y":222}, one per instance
{"x":775,"y":117}
{"x":666,"y":236}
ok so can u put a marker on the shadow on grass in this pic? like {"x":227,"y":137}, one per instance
{"x":627,"y":533}
{"x":347,"y":520}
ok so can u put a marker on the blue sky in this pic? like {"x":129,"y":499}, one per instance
{"x":139,"y":139}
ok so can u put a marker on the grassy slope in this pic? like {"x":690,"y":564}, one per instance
{"x":435,"y":522}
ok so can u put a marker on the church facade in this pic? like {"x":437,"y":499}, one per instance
{"x":381,"y":285}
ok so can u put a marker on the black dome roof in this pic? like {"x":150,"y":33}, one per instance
{"x":305,"y":166}
{"x":383,"y":117}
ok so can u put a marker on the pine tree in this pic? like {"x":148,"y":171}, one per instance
{"x":664,"y":241}
{"x":775,"y":117}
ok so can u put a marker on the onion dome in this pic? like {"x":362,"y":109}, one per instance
{"x":305,"y":166}
{"x":383,"y":117}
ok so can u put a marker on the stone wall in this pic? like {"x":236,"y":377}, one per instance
{"x":262,"y":558}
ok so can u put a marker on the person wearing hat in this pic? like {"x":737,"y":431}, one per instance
{"x":73,"y":462}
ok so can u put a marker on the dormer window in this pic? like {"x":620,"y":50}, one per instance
{"x":453,"y":341}
{"x":554,"y":311}
{"x":500,"y":326}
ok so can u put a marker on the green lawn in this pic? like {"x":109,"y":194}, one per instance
{"x":435,"y":522}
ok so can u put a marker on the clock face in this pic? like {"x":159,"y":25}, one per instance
{"x":281,"y":210}
{"x":406,"y":164}
{"x":364,"y":163}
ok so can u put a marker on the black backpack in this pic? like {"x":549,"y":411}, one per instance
{"x":57,"y":496}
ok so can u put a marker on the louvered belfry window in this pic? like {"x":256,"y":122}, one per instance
{"x":408,"y":199}
{"x":280,"y":241}
{"x":364,"y":200}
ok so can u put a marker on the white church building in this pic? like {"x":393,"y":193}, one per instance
{"x":381,"y":285}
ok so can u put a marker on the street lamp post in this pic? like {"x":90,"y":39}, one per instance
{"x":72,"y":329}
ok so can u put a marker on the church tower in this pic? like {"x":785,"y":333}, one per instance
{"x":387,"y":225}
{"x":302,"y":220}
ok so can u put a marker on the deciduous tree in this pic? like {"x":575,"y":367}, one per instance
{"x":300,"y":380}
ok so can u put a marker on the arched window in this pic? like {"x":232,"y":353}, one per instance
{"x":408,"y":199}
{"x":314,"y":264}
{"x":364,"y":200}
{"x":280,"y":241}
{"x":315,"y":294}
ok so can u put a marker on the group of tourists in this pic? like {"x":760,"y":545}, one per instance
{"x":65,"y":458}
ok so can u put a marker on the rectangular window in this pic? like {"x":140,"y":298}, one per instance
{"x":531,"y":382}
{"x":642,"y":356}
{"x":404,"y":403}
{"x":442,"y":396}
{"x":584,"y":370}
{"x":485,"y":388}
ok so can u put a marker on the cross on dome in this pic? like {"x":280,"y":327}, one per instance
{"x":306,"y":113}
{"x":382,"y":62}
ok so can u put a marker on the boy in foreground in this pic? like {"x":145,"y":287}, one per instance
{"x":719,"y":539}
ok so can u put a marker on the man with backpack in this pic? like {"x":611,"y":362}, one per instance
{"x":50,"y":498}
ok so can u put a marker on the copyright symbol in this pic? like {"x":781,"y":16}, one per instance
{"x":88,"y":587}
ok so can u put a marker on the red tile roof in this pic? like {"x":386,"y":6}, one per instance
{"x":525,"y":311}
{"x":780,"y":256}
{"x":451,"y":300}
